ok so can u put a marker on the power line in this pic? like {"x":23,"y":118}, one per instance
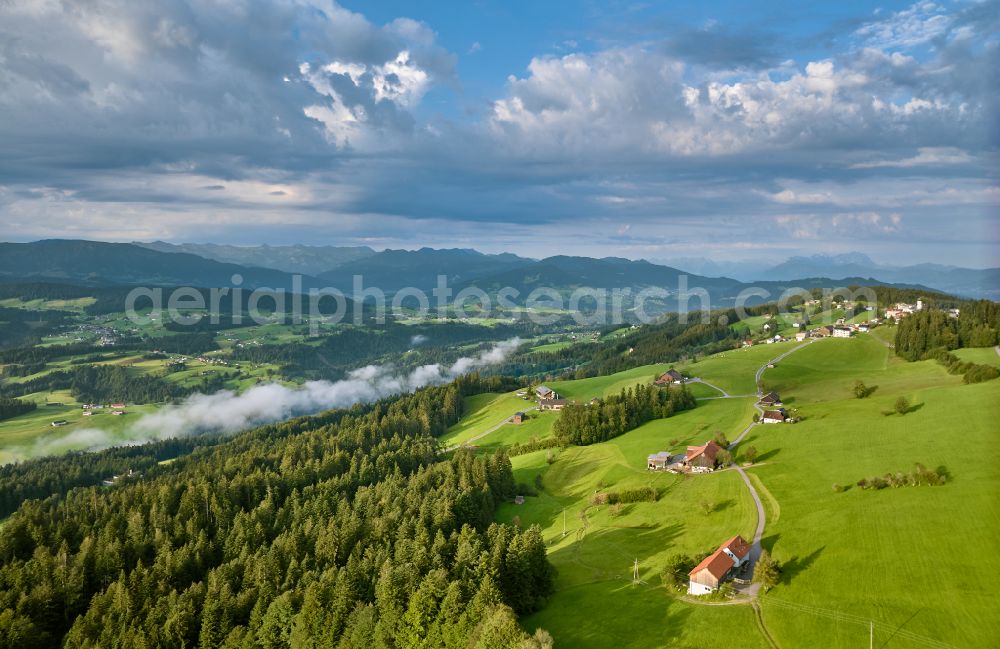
{"x":840,"y":616}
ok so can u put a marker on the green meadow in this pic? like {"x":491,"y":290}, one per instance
{"x":596,"y":603}
{"x":914,"y":562}
{"x":981,"y":355}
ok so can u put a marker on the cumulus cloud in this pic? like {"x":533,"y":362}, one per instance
{"x":915,"y":25}
{"x":644,"y":100}
{"x":180,"y":81}
{"x":228,"y":412}
{"x":115,"y":118}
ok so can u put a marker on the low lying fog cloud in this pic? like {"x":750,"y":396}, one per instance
{"x":229,"y":412}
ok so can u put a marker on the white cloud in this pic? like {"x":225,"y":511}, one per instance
{"x":912,"y":26}
{"x":789,"y":197}
{"x":925,"y":157}
{"x":867,"y":223}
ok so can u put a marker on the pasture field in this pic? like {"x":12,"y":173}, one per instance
{"x":482,"y":412}
{"x":595,"y":556}
{"x":885,"y":333}
{"x":733,"y":370}
{"x":40,"y":304}
{"x":981,"y":355}
{"x":920,"y":559}
{"x":32,"y":433}
{"x":602,"y":386}
{"x":917,"y":562}
{"x":538,"y":425}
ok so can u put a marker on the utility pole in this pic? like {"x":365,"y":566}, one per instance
{"x":871,"y":634}
{"x":635,"y":572}
{"x":564,"y":522}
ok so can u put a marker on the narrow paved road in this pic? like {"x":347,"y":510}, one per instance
{"x":755,"y":549}
{"x":723,"y":395}
{"x":486,"y":432}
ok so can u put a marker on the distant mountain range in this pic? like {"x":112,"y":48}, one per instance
{"x":306,"y":260}
{"x":100,"y":264}
{"x":391,"y":270}
{"x":968,"y":282}
{"x":95,"y":263}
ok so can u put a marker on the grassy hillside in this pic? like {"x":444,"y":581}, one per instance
{"x":917,"y":557}
{"x":982,"y":355}
{"x":916,"y":561}
{"x":595,"y":556}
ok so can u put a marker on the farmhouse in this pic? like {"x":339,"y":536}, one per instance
{"x":517,"y":418}
{"x":554,"y":404}
{"x":545,"y":393}
{"x":708,"y":575}
{"x":118,"y":406}
{"x":701,"y":459}
{"x":770,"y":399}
{"x":658,"y":461}
{"x":800,"y":336}
{"x":60,"y":422}
{"x":774,"y":416}
{"x":669,"y":377}
{"x":842,"y":332}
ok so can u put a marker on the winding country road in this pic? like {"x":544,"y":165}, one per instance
{"x":485,"y":432}
{"x":755,"y":549}
{"x":724,"y":395}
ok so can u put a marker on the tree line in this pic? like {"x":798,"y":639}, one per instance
{"x":14,"y":407}
{"x":922,"y":334}
{"x":615,"y":415}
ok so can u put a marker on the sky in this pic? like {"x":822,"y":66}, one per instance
{"x":658,"y":130}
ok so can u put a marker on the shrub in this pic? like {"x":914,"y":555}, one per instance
{"x":675,"y":572}
{"x":902,"y":405}
{"x":616,"y":510}
{"x":839,"y":488}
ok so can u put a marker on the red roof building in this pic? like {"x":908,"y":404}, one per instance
{"x":702,"y":457}
{"x":716,"y":567}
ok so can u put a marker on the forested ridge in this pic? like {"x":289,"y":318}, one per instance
{"x":348,"y":532}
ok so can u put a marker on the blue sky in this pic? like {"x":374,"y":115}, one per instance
{"x":658,"y":130}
